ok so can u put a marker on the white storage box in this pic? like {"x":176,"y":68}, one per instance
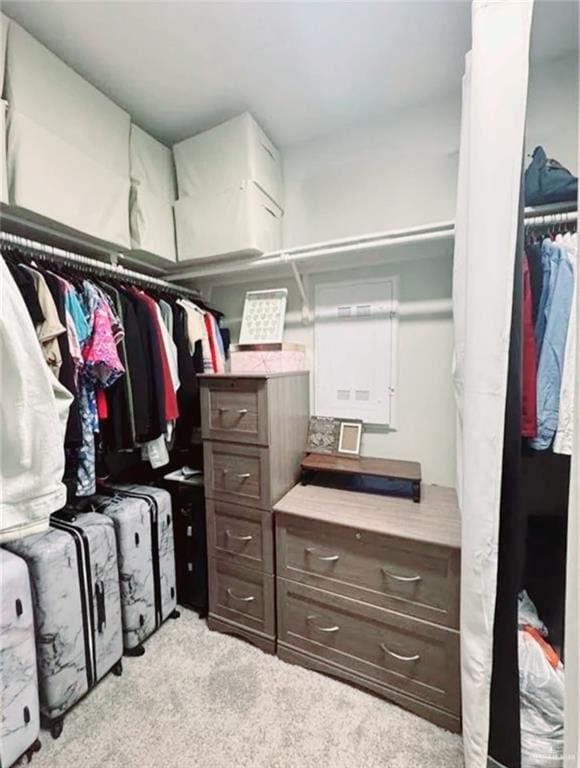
{"x":267,"y":358}
{"x":152,"y":165}
{"x":67,"y":145}
{"x":224,"y":156}
{"x":3,"y":168}
{"x":242,"y":220}
{"x":55,"y":180}
{"x":153,"y":193}
{"x":152,"y":227}
{"x":4,"y":22}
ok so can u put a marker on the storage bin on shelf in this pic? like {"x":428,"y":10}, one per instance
{"x":67,"y":144}
{"x":221,"y":157}
{"x":153,"y":193}
{"x":237,"y":220}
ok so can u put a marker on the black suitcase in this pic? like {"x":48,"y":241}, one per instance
{"x":190,"y":540}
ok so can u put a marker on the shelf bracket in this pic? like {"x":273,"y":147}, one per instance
{"x":306,"y":311}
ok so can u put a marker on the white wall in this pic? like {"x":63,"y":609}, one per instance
{"x":552,"y":118}
{"x":395,"y":172}
{"x":425,"y":407}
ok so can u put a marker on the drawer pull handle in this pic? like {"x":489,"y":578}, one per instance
{"x":325,"y":558}
{"x":242,"y":411}
{"x":394,"y":576}
{"x":312,"y":618}
{"x":416,"y":657}
{"x":231,"y":535}
{"x":243,"y":475}
{"x":249,"y":599}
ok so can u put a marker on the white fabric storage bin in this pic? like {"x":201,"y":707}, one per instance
{"x":152,"y":165}
{"x":58,"y":181}
{"x":238,"y":220}
{"x":4,"y":22}
{"x":42,"y":87}
{"x":3,"y":168}
{"x":153,"y":192}
{"x":227,"y":155}
{"x":152,"y":227}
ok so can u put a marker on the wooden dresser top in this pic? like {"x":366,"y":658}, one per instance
{"x":435,"y":519}
{"x":256,"y":375}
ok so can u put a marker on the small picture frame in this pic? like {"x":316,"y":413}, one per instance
{"x":323,"y":435}
{"x":349,"y":438}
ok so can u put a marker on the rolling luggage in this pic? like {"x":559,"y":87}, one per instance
{"x":19,"y":710}
{"x":143,"y":522}
{"x":189,"y":533}
{"x":77,"y":608}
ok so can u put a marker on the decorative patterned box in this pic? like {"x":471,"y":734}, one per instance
{"x":267,"y":358}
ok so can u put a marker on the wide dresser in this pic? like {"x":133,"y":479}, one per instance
{"x":254,"y":428}
{"x":368,"y":591}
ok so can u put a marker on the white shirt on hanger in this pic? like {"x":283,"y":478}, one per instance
{"x":564,"y":438}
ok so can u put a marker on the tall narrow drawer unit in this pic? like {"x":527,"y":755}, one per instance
{"x":368,"y":591}
{"x":254,"y":429}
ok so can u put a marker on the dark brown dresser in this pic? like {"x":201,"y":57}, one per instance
{"x":368,"y":591}
{"x":254,"y":429}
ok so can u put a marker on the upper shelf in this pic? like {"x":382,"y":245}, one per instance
{"x":434,"y":238}
{"x":369,"y":249}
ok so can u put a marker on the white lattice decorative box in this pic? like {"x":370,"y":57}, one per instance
{"x":267,"y":358}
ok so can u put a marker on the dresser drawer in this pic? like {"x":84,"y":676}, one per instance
{"x":237,"y":473}
{"x":235,"y":409}
{"x":416,"y":578}
{"x":242,"y":595}
{"x":241,"y":534}
{"x":404,"y":654}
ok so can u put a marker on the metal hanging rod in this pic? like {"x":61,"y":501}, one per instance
{"x":550,"y":219}
{"x":427,"y":233}
{"x":51,"y":253}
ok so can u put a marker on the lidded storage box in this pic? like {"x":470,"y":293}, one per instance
{"x":267,"y":358}
{"x":153,"y":193}
{"x":222,"y":157}
{"x":67,"y":144}
{"x":230,"y":192}
{"x":240,"y":219}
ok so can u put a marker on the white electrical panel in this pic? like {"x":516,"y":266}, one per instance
{"x":355,"y":350}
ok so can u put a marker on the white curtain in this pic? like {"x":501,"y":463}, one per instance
{"x":572,"y":700}
{"x":493,"y":123}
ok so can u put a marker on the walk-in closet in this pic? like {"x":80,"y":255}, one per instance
{"x":290,"y":384}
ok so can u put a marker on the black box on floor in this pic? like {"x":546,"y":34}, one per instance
{"x":189,"y":530}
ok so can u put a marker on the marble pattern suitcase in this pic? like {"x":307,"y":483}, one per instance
{"x":143,"y":521}
{"x":75,"y":590}
{"x":19,"y":710}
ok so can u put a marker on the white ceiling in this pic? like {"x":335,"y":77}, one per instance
{"x":302,"y":68}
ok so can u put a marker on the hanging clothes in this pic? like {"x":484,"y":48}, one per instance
{"x":529,"y":391}
{"x":552,"y":331}
{"x":564,"y":438}
{"x":129,"y":359}
{"x":51,"y":327}
{"x":33,"y":415}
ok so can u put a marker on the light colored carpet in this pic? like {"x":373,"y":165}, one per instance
{"x":201,"y":699}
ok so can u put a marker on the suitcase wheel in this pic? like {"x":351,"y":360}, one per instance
{"x":138,"y":650}
{"x":174,"y":614}
{"x":32,"y":749}
{"x":56,"y":727}
{"x":118,"y":669}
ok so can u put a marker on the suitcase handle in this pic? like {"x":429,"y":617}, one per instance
{"x":101,"y":611}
